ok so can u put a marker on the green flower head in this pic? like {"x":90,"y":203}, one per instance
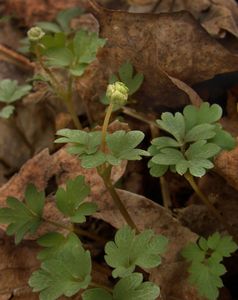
{"x":35,"y":34}
{"x":117,"y":93}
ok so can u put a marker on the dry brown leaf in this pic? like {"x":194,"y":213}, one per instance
{"x":31,"y":12}
{"x":227,"y":165}
{"x":217,"y":16}
{"x":159,"y":47}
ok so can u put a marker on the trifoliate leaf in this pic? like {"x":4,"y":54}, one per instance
{"x":86,"y":45}
{"x":83,"y":142}
{"x":174,"y":124}
{"x":71,"y":200}
{"x":157,"y":170}
{"x":7,"y":111}
{"x":130,"y":250}
{"x":66,"y":274}
{"x":223,"y":139}
{"x":206,"y":282}
{"x":122,"y":144}
{"x":206,"y":268}
{"x":200,"y":132}
{"x":89,"y":161}
{"x":209,"y":113}
{"x":23,"y":218}
{"x":128,"y":288}
{"x":10,"y":91}
{"x":168,"y":156}
{"x":206,"y":113}
{"x":202,"y":150}
{"x":55,"y":244}
{"x":193,"y":253}
{"x":224,"y":246}
{"x":59,"y":57}
{"x":132,"y":287}
{"x":54,"y":41}
{"x":165,"y":142}
{"x":126,"y":76}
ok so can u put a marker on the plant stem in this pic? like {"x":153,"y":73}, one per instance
{"x":105,"y":126}
{"x":78,"y":231}
{"x":212,"y":209}
{"x":112,"y":191}
{"x":65,"y":96}
{"x":68,"y":100}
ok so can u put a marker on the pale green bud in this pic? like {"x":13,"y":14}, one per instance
{"x":35,"y":34}
{"x":117,"y":93}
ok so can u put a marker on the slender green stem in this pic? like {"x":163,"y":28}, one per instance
{"x":105,"y":172}
{"x":119,"y":204}
{"x":54,"y":80}
{"x":105,"y":126}
{"x":65,"y":96}
{"x":211,"y":208}
{"x":78,"y":231}
{"x":68,"y":100}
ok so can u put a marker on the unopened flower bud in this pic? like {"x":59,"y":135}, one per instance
{"x":117,"y":93}
{"x":35,"y":34}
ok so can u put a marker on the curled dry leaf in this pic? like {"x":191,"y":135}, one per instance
{"x":217,"y":16}
{"x":159,"y":46}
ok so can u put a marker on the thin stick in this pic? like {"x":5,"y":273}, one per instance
{"x":211,"y":208}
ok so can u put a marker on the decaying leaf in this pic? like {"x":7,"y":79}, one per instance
{"x":160,"y":46}
{"x":217,"y":16}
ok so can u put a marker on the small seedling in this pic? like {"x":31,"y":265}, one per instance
{"x":197,"y":138}
{"x":71,"y":54}
{"x":11,"y":92}
{"x":206,"y":266}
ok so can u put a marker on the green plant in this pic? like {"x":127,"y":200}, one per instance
{"x":102,"y":150}
{"x":65,"y":265}
{"x":206,"y":266}
{"x":71,"y":54}
{"x":197,"y":138}
{"x":11,"y":92}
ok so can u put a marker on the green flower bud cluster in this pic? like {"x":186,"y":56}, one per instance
{"x":35,"y":34}
{"x":117,"y":93}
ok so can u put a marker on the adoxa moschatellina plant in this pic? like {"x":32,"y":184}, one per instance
{"x":68,"y":53}
{"x":194,"y":138}
{"x":103,"y":150}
